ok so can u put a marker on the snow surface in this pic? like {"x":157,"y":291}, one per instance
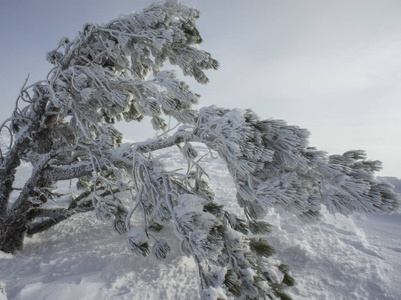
{"x":83,"y":258}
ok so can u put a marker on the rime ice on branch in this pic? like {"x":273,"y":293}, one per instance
{"x":115,"y":72}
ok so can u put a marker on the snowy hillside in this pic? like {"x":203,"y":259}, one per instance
{"x":83,"y":258}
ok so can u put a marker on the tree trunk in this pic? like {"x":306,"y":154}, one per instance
{"x":12,"y":235}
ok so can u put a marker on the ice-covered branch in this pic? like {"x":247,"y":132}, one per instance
{"x":68,"y":172}
{"x":183,"y":135}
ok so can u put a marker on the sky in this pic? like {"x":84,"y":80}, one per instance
{"x":333,"y":67}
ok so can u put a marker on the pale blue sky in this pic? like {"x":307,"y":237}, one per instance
{"x":333,"y":67}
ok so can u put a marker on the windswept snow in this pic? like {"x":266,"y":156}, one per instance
{"x":83,"y":258}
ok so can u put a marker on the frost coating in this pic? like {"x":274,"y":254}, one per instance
{"x":114,"y":72}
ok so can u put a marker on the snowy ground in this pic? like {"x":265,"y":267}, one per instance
{"x":82,"y":258}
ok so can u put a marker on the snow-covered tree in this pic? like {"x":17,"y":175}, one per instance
{"x":116,"y":72}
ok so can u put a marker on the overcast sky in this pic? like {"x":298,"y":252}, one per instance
{"x":333,"y":67}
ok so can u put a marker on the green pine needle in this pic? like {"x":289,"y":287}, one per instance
{"x":261,"y":247}
{"x":233,"y":284}
{"x":259,"y":227}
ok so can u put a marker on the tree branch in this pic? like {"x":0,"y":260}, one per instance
{"x":11,"y":161}
{"x":157,"y":144}
{"x":54,"y":218}
{"x":68,"y":172}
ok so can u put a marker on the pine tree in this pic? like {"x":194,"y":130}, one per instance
{"x":115,"y":72}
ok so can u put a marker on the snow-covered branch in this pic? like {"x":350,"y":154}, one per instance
{"x":68,"y":172}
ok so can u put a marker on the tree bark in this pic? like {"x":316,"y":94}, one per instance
{"x":13,"y":226}
{"x":12,"y":235}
